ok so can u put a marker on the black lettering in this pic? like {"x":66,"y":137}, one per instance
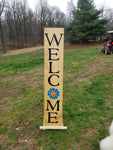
{"x":49,"y":117}
{"x":49,"y":80}
{"x":50,"y":71}
{"x":54,"y":36}
{"x":50,"y":49}
{"x":53,"y":107}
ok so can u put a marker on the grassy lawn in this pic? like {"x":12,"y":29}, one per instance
{"x":87,"y":104}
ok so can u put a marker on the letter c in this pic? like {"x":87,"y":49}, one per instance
{"x":49,"y":80}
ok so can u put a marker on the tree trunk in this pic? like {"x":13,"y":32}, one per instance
{"x":2,"y":38}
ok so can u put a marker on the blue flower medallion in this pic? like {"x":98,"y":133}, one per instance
{"x":53,"y":93}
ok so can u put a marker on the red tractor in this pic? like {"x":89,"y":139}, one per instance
{"x":108,"y":44}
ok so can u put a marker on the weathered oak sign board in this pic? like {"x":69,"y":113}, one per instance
{"x":53,"y":78}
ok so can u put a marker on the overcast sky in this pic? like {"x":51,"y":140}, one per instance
{"x":62,"y":4}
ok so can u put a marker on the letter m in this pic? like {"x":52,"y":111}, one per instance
{"x":54,"y":37}
{"x":52,"y":107}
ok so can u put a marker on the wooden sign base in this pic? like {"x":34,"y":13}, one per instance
{"x":53,"y":127}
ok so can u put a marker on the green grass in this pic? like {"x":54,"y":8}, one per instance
{"x":22,"y":62}
{"x":87,"y":103}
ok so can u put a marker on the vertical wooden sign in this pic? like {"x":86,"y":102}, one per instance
{"x":53,"y":78}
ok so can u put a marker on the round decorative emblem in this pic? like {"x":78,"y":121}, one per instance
{"x":53,"y":93}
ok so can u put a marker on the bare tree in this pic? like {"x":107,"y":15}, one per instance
{"x":20,"y":20}
{"x":22,"y":27}
{"x":48,"y":16}
{"x":2,"y":7}
{"x":108,"y":14}
{"x":41,"y":11}
{"x":71,"y":6}
{"x":59,"y":18}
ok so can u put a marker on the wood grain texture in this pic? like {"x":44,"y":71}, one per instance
{"x":53,"y":77}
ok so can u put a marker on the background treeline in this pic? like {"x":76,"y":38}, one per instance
{"x":22,"y":27}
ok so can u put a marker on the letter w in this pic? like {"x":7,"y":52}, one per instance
{"x":54,"y":36}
